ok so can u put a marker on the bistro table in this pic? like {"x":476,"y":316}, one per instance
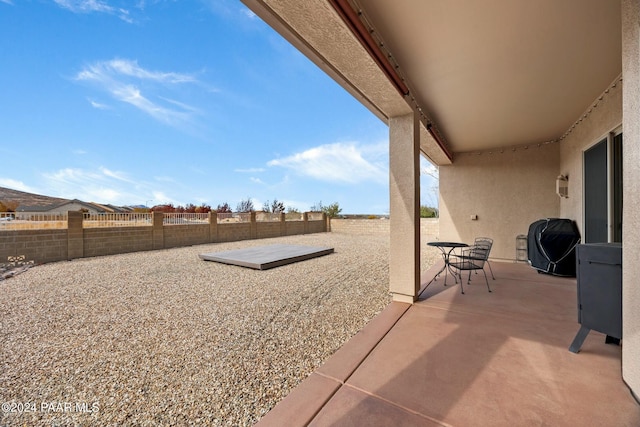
{"x":446,"y":248}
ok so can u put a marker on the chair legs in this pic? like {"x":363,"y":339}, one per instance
{"x":469,"y":279}
{"x":485,"y":279}
{"x":491,"y":269}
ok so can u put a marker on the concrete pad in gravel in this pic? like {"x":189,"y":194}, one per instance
{"x":265,"y":257}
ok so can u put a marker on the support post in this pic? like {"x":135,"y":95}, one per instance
{"x":157,"y":220}
{"x":75,"y":234}
{"x":404,"y":207}
{"x":631,"y":194}
{"x":283,"y":224}
{"x":213,"y":227}
{"x":254,"y":225}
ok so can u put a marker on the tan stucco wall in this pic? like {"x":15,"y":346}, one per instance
{"x":506,"y":190}
{"x":603,"y":119}
{"x":631,"y":195}
{"x":509,"y":190}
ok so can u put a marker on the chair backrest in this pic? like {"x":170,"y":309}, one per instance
{"x":480,"y":250}
{"x":483,"y":241}
{"x":479,"y":254}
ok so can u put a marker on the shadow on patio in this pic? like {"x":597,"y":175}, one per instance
{"x":478,"y":359}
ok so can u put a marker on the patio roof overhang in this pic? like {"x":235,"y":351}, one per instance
{"x":481,"y":74}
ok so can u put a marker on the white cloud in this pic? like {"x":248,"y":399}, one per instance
{"x":125,"y":16}
{"x":120,"y":176}
{"x":15,"y":185}
{"x":98,"y":105}
{"x":90,"y":6}
{"x":109,"y":194}
{"x":182,"y":105}
{"x":85,"y":5}
{"x":131,"y":68}
{"x":80,"y":184}
{"x":429,"y":183}
{"x":7,"y":2}
{"x":427,"y":168}
{"x":256,"y":180}
{"x":69,"y":175}
{"x":340,"y":162}
{"x":302,"y":206}
{"x":160,"y":198}
{"x":121,"y":79}
{"x":249,"y":14}
{"x":133,"y":96}
{"x":102,"y":186}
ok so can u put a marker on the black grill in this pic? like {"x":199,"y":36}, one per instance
{"x":551,"y":246}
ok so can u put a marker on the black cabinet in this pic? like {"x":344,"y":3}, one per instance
{"x":599,"y":276}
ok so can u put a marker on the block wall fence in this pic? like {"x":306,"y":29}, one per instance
{"x":50,"y":245}
{"x":429,"y":227}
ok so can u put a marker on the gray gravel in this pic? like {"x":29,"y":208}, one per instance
{"x":164,"y":338}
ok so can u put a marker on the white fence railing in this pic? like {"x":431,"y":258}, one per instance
{"x":185,"y":218}
{"x":59,"y":220}
{"x":314,"y":216}
{"x":293,"y":216}
{"x":97,"y":220}
{"x":228,"y":217}
{"x":267,"y":217}
{"x":33,"y":220}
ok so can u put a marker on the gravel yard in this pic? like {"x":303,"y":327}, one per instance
{"x":164,"y":338}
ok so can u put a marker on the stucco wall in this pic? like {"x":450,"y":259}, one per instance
{"x":511,"y":189}
{"x":603,"y":119}
{"x":506,"y":190}
{"x":631,"y":183}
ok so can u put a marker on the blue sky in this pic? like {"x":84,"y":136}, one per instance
{"x":191,"y":101}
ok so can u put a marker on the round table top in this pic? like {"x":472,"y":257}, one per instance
{"x":448,"y":244}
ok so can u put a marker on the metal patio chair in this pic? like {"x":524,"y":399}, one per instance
{"x":471,"y":259}
{"x":488,"y":243}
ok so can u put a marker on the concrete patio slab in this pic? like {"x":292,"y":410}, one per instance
{"x":348,"y":357}
{"x":352,"y":407}
{"x":507,"y":371}
{"x":527,"y":293}
{"x":498,"y":359}
{"x":303,"y":403}
{"x":265,"y":257}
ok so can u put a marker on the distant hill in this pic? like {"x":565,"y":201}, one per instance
{"x":28,"y":199}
